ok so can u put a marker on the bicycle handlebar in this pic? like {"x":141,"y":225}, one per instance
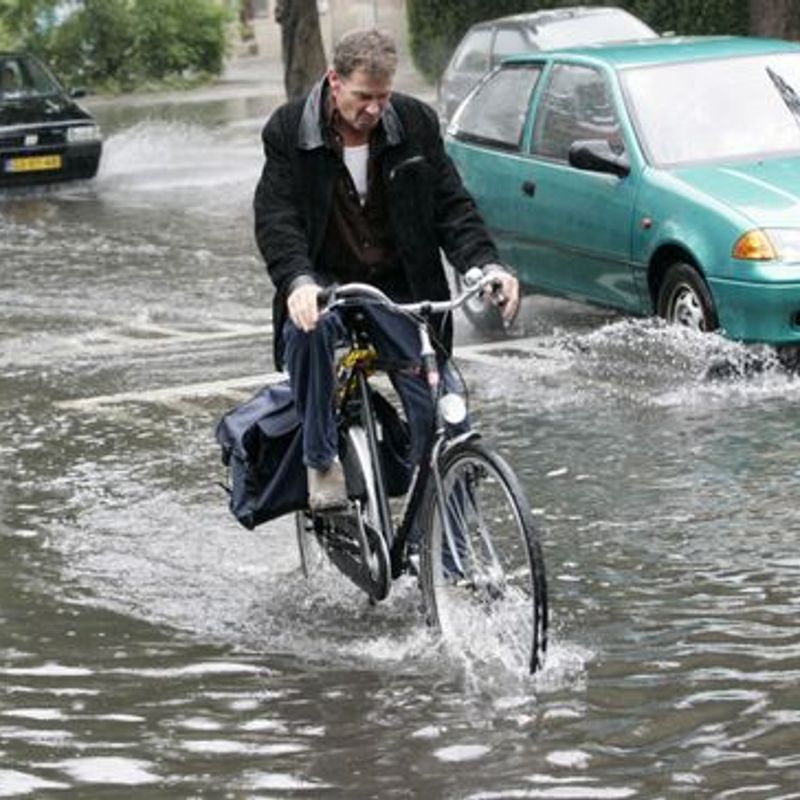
{"x":474,"y":280}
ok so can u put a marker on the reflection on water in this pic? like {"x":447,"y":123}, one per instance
{"x":151,"y":645}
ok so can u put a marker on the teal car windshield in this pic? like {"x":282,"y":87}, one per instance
{"x":715,"y":111}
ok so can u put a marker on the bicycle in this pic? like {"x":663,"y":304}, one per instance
{"x":479,"y":563}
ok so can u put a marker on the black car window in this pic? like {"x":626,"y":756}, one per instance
{"x":12,"y":83}
{"x":473,"y":55}
{"x":24,"y":77}
{"x":575,"y":105}
{"x":495,"y":113}
{"x":508,"y":41}
{"x":41,"y":81}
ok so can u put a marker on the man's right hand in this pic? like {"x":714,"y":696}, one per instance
{"x":302,"y":306}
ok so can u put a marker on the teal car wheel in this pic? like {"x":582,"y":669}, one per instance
{"x":684,"y":299}
{"x":483,"y":316}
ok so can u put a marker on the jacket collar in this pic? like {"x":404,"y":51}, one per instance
{"x":310,"y":135}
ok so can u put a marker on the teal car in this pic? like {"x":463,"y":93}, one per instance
{"x":656,"y":177}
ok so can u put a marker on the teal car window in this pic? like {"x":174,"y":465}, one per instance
{"x":575,"y":106}
{"x":706,"y":111}
{"x":495,"y":113}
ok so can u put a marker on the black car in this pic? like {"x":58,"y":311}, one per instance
{"x":487,"y":43}
{"x":44,"y":134}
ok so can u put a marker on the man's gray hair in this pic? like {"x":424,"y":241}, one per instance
{"x":370,"y":49}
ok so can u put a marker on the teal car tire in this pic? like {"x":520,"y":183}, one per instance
{"x":483,"y":316}
{"x":684,"y":299}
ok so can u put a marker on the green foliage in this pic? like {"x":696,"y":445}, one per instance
{"x":176,"y":38}
{"x":436,"y":26}
{"x":121,"y":44}
{"x":23,"y":15}
{"x":687,"y":17}
{"x":93,"y":46}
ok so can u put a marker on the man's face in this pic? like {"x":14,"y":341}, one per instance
{"x":360,"y":98}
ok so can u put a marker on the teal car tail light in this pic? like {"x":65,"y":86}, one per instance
{"x":771,"y":244}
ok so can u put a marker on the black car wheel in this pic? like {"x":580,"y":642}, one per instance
{"x":684,"y":299}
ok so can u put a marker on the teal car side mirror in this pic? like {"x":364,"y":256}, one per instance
{"x":596,"y":155}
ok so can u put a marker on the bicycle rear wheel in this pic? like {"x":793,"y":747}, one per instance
{"x":483,"y":575}
{"x":358,"y":547}
{"x":350,"y":539}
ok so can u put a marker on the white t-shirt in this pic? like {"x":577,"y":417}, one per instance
{"x":355,"y":158}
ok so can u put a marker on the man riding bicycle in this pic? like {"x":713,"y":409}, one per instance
{"x":357,"y":186}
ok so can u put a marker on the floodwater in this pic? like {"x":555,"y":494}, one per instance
{"x":150,"y":647}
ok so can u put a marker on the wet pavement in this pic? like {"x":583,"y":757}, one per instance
{"x":151,"y":647}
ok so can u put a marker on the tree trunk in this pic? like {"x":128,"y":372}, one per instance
{"x":780,"y":18}
{"x":301,"y":43}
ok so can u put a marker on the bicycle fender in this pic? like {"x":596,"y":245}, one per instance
{"x":467,"y":436}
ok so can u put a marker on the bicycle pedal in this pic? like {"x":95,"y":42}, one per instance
{"x":412,"y":565}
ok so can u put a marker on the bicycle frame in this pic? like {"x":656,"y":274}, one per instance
{"x":358,"y":364}
{"x":359,"y":369}
{"x":464,"y":513}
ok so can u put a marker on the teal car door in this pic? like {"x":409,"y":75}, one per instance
{"x":488,"y":134}
{"x":574,"y":225}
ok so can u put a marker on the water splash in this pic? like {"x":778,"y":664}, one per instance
{"x":154,"y":156}
{"x":638,"y":362}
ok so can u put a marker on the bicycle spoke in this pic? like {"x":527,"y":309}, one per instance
{"x":494,"y":605}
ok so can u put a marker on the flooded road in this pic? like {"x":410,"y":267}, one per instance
{"x":151,"y":647}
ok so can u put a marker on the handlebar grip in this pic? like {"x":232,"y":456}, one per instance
{"x":325,"y":296}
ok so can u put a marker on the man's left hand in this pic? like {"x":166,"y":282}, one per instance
{"x":509,"y":291}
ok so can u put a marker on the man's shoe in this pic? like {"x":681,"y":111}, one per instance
{"x":326,"y":488}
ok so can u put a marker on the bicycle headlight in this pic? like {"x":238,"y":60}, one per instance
{"x":452,"y":408}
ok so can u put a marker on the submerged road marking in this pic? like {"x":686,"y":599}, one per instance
{"x":131,"y":338}
{"x":166,"y":394}
{"x":482,"y":353}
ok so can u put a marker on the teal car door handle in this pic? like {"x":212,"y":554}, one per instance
{"x":528,"y":188}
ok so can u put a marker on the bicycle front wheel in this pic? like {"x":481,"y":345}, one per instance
{"x":481,"y":562}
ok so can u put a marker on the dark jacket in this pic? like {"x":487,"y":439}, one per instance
{"x":429,"y":207}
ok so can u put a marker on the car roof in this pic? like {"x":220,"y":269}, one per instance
{"x":536,"y":19}
{"x":670,"y":49}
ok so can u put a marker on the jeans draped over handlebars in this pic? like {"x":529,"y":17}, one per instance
{"x":310,"y":356}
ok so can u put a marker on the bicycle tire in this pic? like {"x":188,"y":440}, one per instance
{"x":491,"y":598}
{"x":360,"y":461}
{"x":334,"y":537}
{"x":302,"y":529}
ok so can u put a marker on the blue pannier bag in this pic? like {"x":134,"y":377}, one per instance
{"x":262,"y":446}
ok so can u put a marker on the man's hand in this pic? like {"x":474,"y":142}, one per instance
{"x":509,"y":291}
{"x":302,"y":306}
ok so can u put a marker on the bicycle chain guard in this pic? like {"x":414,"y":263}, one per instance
{"x":357,"y":550}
